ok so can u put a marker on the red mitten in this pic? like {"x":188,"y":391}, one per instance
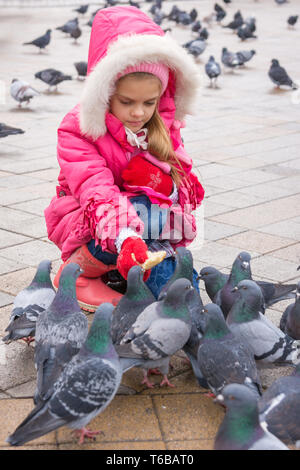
{"x":140,"y":172}
{"x":136,"y":246}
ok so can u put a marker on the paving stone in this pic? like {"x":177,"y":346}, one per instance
{"x":286,"y":228}
{"x":17,"y":364}
{"x":257,"y":241}
{"x":290,"y":253}
{"x":8,"y":265}
{"x":36,"y":206}
{"x":218,"y":253}
{"x":214,"y":230}
{"x":10,"y":239}
{"x":271,"y":267}
{"x":30,"y":253}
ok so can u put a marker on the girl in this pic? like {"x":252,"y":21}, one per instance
{"x":125,"y":182}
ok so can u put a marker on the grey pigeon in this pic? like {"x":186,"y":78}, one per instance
{"x":22,"y":91}
{"x":29,"y":303}
{"x":76,"y":33}
{"x":279,"y":407}
{"x":82,"y":9}
{"x":213,"y":70}
{"x":81,"y":68}
{"x":60,"y":332}
{"x":281,"y":2}
{"x":52,"y":77}
{"x":86,"y":386}
{"x":269,"y":343}
{"x":241,"y":428}
{"x":160,"y":331}
{"x":241,"y":269}
{"x":196,"y":26}
{"x":6,"y":130}
{"x":136,"y":298}
{"x":69,"y":26}
{"x":292,"y":20}
{"x":245,"y":56}
{"x":290,"y":319}
{"x":229,"y":59}
{"x":213,"y":279}
{"x":195,"y":47}
{"x":42,"y":41}
{"x":222,"y":357}
{"x":279,"y":76}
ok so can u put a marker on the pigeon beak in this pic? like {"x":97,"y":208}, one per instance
{"x":200,"y":277}
{"x":298,"y":267}
{"x":219,"y":399}
{"x":245,"y":264}
{"x":235,"y":289}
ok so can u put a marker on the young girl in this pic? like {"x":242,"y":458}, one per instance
{"x":125,"y":182}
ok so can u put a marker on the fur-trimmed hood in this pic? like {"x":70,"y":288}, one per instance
{"x":122,"y":36}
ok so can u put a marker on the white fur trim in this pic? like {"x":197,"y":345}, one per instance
{"x":130,"y":50}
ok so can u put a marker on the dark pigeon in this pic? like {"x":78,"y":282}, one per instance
{"x":137,"y":297}
{"x":82,"y":9}
{"x":76,"y":33}
{"x":29,"y":303}
{"x":222,"y":357}
{"x":42,"y":41}
{"x":269,"y":343}
{"x":245,"y":32}
{"x":204,"y":34}
{"x":69,"y":26}
{"x":162,"y":329}
{"x":6,"y":130}
{"x":196,"y":26}
{"x":220,"y":12}
{"x":86,"y":386}
{"x":52,"y":77}
{"x":290,"y":319}
{"x":81,"y":68}
{"x":279,"y":408}
{"x":213,"y":70}
{"x":60,"y":332}
{"x":240,"y":428}
{"x":279,"y":76}
{"x":214,"y":281}
{"x":236,"y":22}
{"x":292,"y":20}
{"x":281,"y":2}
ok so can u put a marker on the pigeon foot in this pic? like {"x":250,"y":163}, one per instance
{"x":28,"y":339}
{"x":166,"y":381}
{"x":86,"y":433}
{"x":145,"y":381}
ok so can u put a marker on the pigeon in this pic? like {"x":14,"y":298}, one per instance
{"x":214,"y":280}
{"x":279,"y":408}
{"x":6,"y":130}
{"x":22,"y":92}
{"x":134,"y":4}
{"x":60,"y":332}
{"x":227,"y":1}
{"x":69,"y":26}
{"x":224,"y":358}
{"x":196,"y":26}
{"x":241,"y":428}
{"x":137,"y":297}
{"x":29,"y":303}
{"x":159,"y":331}
{"x":245,"y":32}
{"x":76,"y":33}
{"x":292,"y":20}
{"x":245,"y":56}
{"x":195,"y":47}
{"x":42,"y":41}
{"x":82,"y":9}
{"x":279,"y":76}
{"x":220,"y":12}
{"x":290,"y":319}
{"x":193,"y":14}
{"x":86,"y":386}
{"x":269,"y":343}
{"x":81,"y":68}
{"x":203,"y":34}
{"x":281,"y":2}
{"x":241,"y":269}
{"x":229,"y":59}
{"x":236,"y":22}
{"x":52,"y":77}
{"x":213,"y":70}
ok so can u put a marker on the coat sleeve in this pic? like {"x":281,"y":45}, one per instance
{"x":91,"y":182}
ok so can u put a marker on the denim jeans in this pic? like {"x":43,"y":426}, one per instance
{"x":154,"y":219}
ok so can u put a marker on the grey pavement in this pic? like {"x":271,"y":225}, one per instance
{"x":245,"y":141}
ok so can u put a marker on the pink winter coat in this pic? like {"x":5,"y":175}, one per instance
{"x":92,"y":145}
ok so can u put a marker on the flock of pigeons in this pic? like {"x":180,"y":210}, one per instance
{"x":244,"y":28}
{"x":80,"y":369}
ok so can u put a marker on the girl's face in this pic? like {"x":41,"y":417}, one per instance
{"x":135,"y":100}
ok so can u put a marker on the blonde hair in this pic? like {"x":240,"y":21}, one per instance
{"x":159,"y":141}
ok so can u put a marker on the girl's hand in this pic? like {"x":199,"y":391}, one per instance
{"x":125,"y":261}
{"x":140,"y":172}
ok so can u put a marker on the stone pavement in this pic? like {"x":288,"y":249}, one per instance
{"x":244,"y":140}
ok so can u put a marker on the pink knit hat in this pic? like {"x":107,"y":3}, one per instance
{"x":158,"y":69}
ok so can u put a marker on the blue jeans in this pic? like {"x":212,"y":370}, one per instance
{"x":154,"y":219}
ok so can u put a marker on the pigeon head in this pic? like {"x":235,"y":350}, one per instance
{"x":136,"y":288}
{"x":99,"y":337}
{"x":209,"y":272}
{"x":248,"y":302}
{"x":183,"y":269}
{"x":250,"y":292}
{"x":211,"y":58}
{"x":175,"y":299}
{"x":215,"y":325}
{"x":241,"y":268}
{"x":42,"y":275}
{"x":275,"y":62}
{"x":240,"y":398}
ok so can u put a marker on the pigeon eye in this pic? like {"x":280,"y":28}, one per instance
{"x":231,"y":397}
